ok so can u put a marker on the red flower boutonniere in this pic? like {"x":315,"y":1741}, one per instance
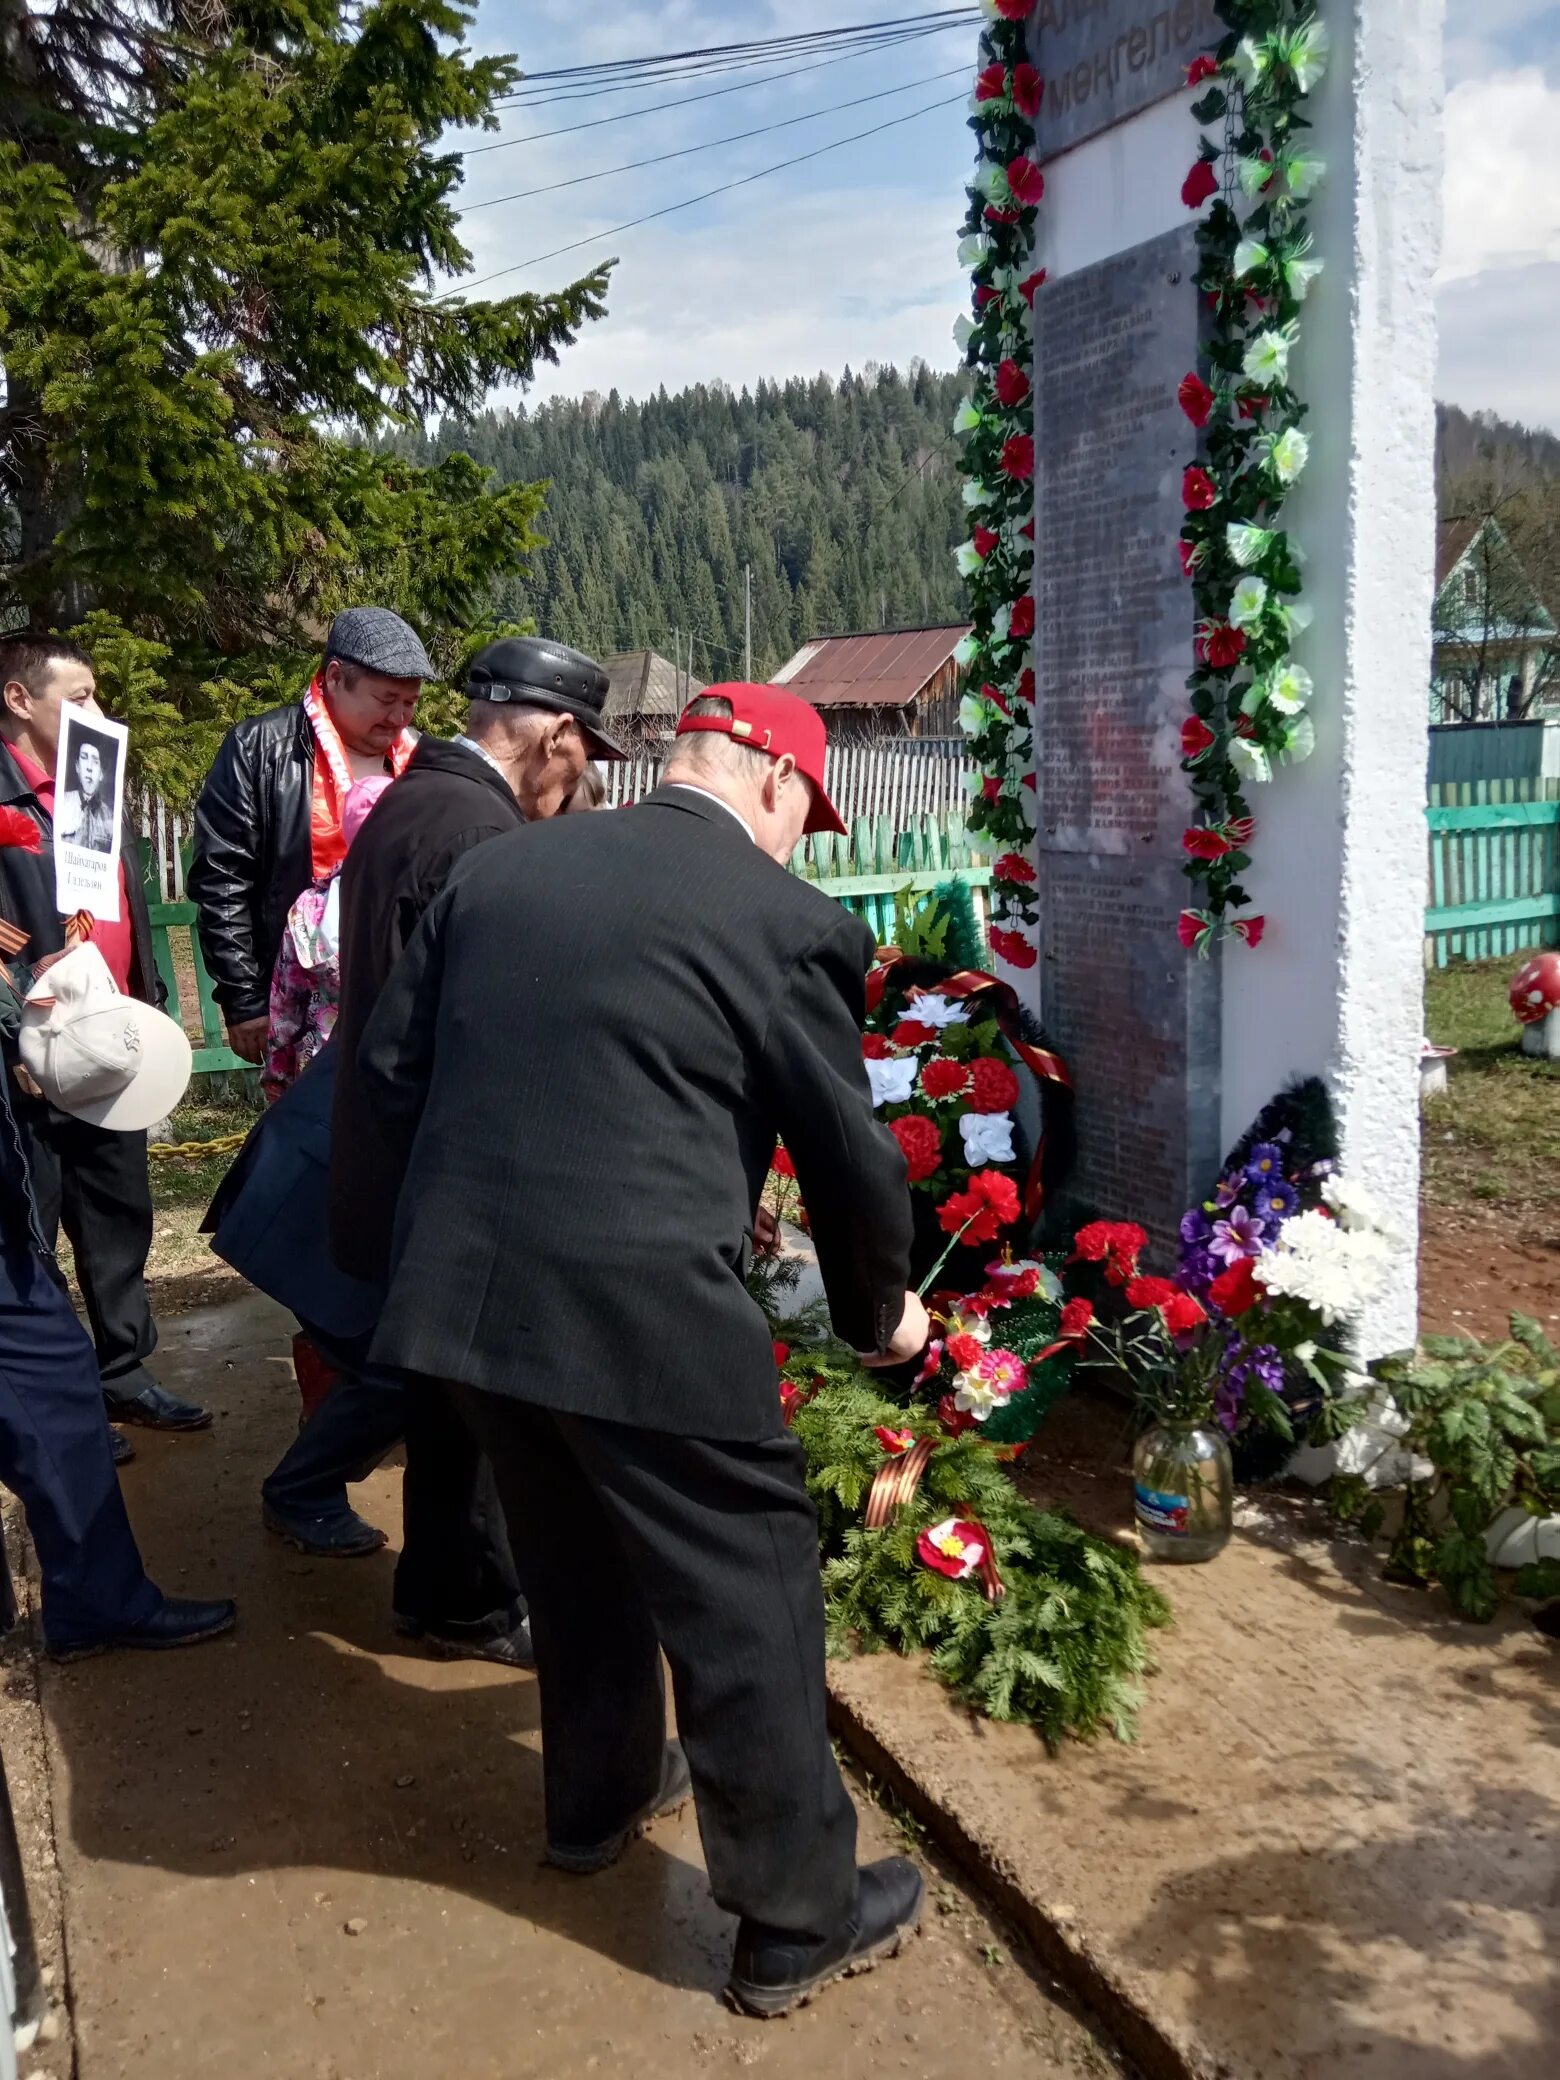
{"x":19,"y":832}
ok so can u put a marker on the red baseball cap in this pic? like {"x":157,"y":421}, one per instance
{"x":767,"y":718}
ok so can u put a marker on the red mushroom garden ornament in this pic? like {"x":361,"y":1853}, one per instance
{"x":1535,"y":999}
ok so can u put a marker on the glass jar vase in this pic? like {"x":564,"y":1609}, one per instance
{"x":1183,"y":1491}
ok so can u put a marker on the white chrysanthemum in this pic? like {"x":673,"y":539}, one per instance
{"x":1250,"y":254}
{"x":1331,"y":1269}
{"x":1267,"y":358}
{"x":1358,"y":1207}
{"x":1290,"y":687}
{"x":1247,"y":544}
{"x":1289,"y":454}
{"x":1304,"y":172}
{"x":1250,"y":761}
{"x":1247,"y":603}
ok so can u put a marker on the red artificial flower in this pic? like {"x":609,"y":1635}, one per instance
{"x":1198,"y":490}
{"x":921,"y":1145}
{"x":1200,"y":69}
{"x":1195,"y":399}
{"x":985,"y":540}
{"x":988,"y":1206}
{"x":1203,"y":842}
{"x":1026,"y":180}
{"x":994,"y":215}
{"x":782,"y":1351}
{"x":984,"y":294}
{"x":1014,"y":10}
{"x":1252,"y":407}
{"x":874,"y":1048}
{"x":1030,"y":284}
{"x":942,"y":1078}
{"x":1220,"y":645}
{"x":1189,"y":928}
{"x":1012,"y":947}
{"x":1115,"y":1244}
{"x":1244,"y":726}
{"x":1023,"y":622}
{"x":1077,"y":1319}
{"x":1240,"y":830}
{"x":877,"y":982}
{"x":964,"y":1352}
{"x":782,"y":1165}
{"x":1196,"y":737}
{"x":895,"y":1442}
{"x":1250,"y":929}
{"x":991,"y":788}
{"x":1018,"y":457}
{"x":1028,"y":86}
{"x":1028,"y":528}
{"x":1183,"y":1314}
{"x":19,"y":832}
{"x":1235,"y":1292}
{"x":955,"y":1548}
{"x":1012,"y":866}
{"x":954,"y":1420}
{"x":1190,"y":554}
{"x":1150,"y":1292}
{"x":792,"y":1397}
{"x":1029,"y":782}
{"x":993,"y":1086}
{"x":1199,"y":184}
{"x":911,"y":1033}
{"x":991,"y":84}
{"x":1011,"y":383}
{"x":1026,"y":684}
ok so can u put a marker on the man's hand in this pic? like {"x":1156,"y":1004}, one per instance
{"x":247,"y":1038}
{"x":909,"y":1339}
{"x":766,"y":1232}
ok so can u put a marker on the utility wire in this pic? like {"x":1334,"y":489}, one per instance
{"x":689,"y":202}
{"x":714,"y":143}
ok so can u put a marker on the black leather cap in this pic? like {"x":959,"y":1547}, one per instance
{"x":545,"y":675}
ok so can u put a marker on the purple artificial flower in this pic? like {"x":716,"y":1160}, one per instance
{"x":1239,"y":1234}
{"x":1197,"y":1271}
{"x":1194,"y":1227}
{"x":1276,"y":1201}
{"x":1266,"y":1160}
{"x":1229,"y":1401}
{"x":1262,"y":1363}
{"x":1229,"y":1189}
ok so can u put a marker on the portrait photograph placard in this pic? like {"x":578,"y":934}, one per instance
{"x":89,"y":804}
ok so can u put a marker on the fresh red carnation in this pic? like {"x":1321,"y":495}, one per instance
{"x":1183,"y":1314}
{"x":1026,"y":180}
{"x":1199,"y":184}
{"x":1018,"y":457}
{"x":1196,"y":737}
{"x":991,"y":84}
{"x":921,"y":1145}
{"x":1027,"y":88}
{"x":954,"y":1420}
{"x":1023,"y":622}
{"x":1149,"y":1292}
{"x":1115,"y":1244}
{"x":782,"y":1165}
{"x":874,"y":1048}
{"x":942,"y":1078}
{"x":1012,"y":866}
{"x":988,"y":1206}
{"x":19,"y":832}
{"x":1030,"y":284}
{"x":1077,"y":1320}
{"x":1011,"y":383}
{"x":1012,"y":947}
{"x":1250,"y":929}
{"x":911,"y":1033}
{"x":1198,"y":491}
{"x":993,"y":1086}
{"x":964,"y":1352}
{"x":1201,"y":842}
{"x":1200,"y":69}
{"x":1195,"y":399}
{"x":1235,"y":1292}
{"x":985,"y":540}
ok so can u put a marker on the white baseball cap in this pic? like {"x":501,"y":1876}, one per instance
{"x":102,"y":1057}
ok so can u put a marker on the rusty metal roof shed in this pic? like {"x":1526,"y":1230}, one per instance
{"x":642,"y":682}
{"x":887,"y":669}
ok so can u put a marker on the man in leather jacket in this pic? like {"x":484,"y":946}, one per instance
{"x":263,"y":823}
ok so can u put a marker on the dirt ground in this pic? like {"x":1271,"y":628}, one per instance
{"x":308,"y":1852}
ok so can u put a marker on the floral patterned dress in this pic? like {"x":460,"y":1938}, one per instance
{"x":305,"y":986}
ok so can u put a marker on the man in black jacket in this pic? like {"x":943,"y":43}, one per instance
{"x":92,"y":1182}
{"x":268,"y":820}
{"x":589,"y":1050}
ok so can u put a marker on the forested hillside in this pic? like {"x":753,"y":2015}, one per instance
{"x":843,"y":496}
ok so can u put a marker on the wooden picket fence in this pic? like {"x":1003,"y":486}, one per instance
{"x":1494,"y":869}
{"x":867,"y":870}
{"x":902,"y":778}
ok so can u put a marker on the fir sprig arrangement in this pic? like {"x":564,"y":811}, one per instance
{"x":996,"y":424}
{"x":1249,"y":695}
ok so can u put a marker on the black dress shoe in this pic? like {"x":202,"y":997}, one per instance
{"x":156,"y":1409}
{"x":773,"y":1972}
{"x":121,"y":1447}
{"x":676,"y":1787}
{"x":176,"y":1622}
{"x":507,"y":1649}
{"x":345,"y":1536}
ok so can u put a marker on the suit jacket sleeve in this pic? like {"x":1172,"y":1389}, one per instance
{"x":849,"y":1167}
{"x":395,"y":1055}
{"x":222,"y":880}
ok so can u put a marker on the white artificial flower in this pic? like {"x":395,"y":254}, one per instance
{"x":1267,"y":358}
{"x":1298,"y":616}
{"x":972,"y":249}
{"x":1299,"y":740}
{"x":976,"y":1397}
{"x":1250,"y":761}
{"x":968,"y":558}
{"x":1247,"y":544}
{"x":1247,"y":603}
{"x":1289,"y":454}
{"x":1250,"y":254}
{"x":1254,"y":175}
{"x":1305,"y":51}
{"x":1252,"y":59}
{"x":966,"y":650}
{"x":892,"y":1080}
{"x":1357,"y":1207}
{"x":974,"y":714}
{"x":1290,"y":687}
{"x":1304,"y":172}
{"x":988,"y":1138}
{"x":1002,"y":622}
{"x":963,"y":331}
{"x":1330,"y":1269}
{"x":966,"y":418}
{"x":1300,"y":274}
{"x":927,"y":1008}
{"x":1305,"y":1353}
{"x":975,"y":492}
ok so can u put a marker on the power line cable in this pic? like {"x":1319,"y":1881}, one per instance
{"x":671,"y":208}
{"x":714,"y":143}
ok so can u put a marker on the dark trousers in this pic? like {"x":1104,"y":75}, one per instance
{"x":95,"y":1184}
{"x":629,"y":1542}
{"x":56,"y":1457}
{"x":455,"y":1576}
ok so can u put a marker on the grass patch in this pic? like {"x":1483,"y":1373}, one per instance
{"x":1493,"y":1138}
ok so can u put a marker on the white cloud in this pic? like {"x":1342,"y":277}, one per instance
{"x":1502,"y":201}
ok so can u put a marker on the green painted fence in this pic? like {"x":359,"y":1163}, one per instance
{"x":1494,"y":869}
{"x":173,"y":927}
{"x":866,"y":870}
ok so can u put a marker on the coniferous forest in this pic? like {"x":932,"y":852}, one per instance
{"x":844,"y":496}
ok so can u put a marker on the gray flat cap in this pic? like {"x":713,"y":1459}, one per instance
{"x":379,"y":641}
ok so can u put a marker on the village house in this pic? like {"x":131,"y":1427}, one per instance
{"x":1496,"y":655}
{"x":896,"y":682}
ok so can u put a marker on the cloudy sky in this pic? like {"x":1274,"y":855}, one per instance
{"x":850,"y":257}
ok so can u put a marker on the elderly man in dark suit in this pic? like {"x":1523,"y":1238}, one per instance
{"x":589,"y":1050}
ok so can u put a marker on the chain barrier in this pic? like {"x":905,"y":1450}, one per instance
{"x":223,"y":1145}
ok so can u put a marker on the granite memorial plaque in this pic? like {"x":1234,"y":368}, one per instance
{"x":1102,"y":60}
{"x":1134,"y":1017}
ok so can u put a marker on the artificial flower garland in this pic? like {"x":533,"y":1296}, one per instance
{"x":1249,"y":697}
{"x":996,"y":424}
